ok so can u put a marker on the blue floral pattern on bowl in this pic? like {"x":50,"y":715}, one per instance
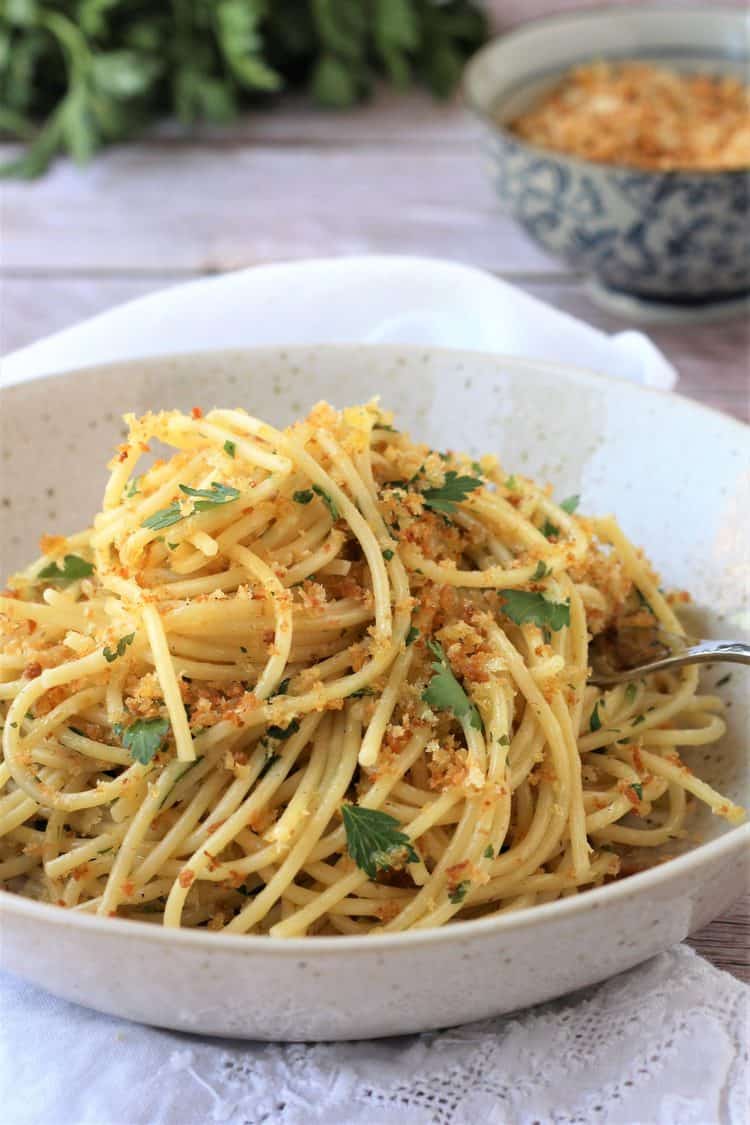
{"x":664,"y":235}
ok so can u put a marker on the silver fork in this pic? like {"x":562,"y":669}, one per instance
{"x":698,"y":652}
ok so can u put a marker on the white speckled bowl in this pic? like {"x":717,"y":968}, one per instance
{"x":643,"y":454}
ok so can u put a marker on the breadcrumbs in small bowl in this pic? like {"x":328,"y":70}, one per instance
{"x":620,"y":140}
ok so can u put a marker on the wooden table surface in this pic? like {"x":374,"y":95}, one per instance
{"x":400,"y":175}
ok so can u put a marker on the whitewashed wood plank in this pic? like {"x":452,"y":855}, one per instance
{"x":163,"y":208}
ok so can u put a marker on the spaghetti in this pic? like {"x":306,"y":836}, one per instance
{"x":325,"y":680}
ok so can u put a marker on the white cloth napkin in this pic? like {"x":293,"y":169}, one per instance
{"x":660,"y":1045}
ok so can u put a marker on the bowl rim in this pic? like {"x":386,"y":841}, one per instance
{"x":733,"y":842}
{"x":484,"y":114}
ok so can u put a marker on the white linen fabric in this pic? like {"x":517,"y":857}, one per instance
{"x":663,"y":1044}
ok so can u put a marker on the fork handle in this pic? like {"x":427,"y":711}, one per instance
{"x":702,"y":652}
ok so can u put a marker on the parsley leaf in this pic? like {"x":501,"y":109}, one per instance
{"x":111,"y":654}
{"x":327,"y":500}
{"x":304,"y":496}
{"x":458,"y":894}
{"x":570,"y":504}
{"x":630,"y":692}
{"x":131,"y":488}
{"x":444,"y":692}
{"x":595,"y":722}
{"x":388,"y":554}
{"x":489,"y":852}
{"x":72,"y":569}
{"x":165,"y":517}
{"x":542,"y":570}
{"x":511,"y":483}
{"x":523,"y":606}
{"x":205,"y":498}
{"x":374,"y":839}
{"x":724,"y":680}
{"x":143,"y":738}
{"x":454,"y":489}
{"x":411,"y":636}
{"x":637,"y":788}
{"x":230,"y":448}
{"x":282,"y":733}
{"x":549,"y":530}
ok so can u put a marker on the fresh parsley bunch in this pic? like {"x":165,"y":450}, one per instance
{"x":77,"y":74}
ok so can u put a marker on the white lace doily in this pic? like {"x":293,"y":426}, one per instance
{"x":664,"y":1044}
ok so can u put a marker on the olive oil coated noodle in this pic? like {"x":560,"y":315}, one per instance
{"x":326,"y":680}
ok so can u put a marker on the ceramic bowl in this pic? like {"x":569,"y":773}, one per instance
{"x":624,"y":449}
{"x":675,"y":237}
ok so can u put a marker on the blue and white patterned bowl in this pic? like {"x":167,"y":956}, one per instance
{"x":675,"y":237}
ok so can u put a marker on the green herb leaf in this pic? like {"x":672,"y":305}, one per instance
{"x":511,"y":483}
{"x":132,"y":488}
{"x":282,"y":733}
{"x":327,"y":500}
{"x":361,"y":693}
{"x":549,"y":530}
{"x":411,"y":636}
{"x":230,"y":448}
{"x":111,"y":654}
{"x":542,"y":570}
{"x":165,"y":517}
{"x":595,"y":722}
{"x":205,"y":498}
{"x":374,"y":839}
{"x":570,"y":504}
{"x":444,"y":692}
{"x":489,"y":852}
{"x":453,"y":491}
{"x":72,"y":569}
{"x":283,"y":687}
{"x":388,"y":554}
{"x":525,"y":607}
{"x":630,"y":692}
{"x":637,"y":788}
{"x":304,"y":496}
{"x":724,"y":680}
{"x":143,"y":738}
{"x":503,"y":740}
{"x":639,"y":719}
{"x":459,"y":892}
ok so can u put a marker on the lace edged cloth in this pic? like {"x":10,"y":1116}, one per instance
{"x":663,"y":1044}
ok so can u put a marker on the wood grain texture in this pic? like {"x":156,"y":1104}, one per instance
{"x":396,"y":175}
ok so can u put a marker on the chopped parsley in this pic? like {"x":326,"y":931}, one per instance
{"x":503,"y":740}
{"x":595,"y":722}
{"x":304,"y":496}
{"x":451,"y":492}
{"x":523,"y":607}
{"x":476,"y":468}
{"x":283,"y":687}
{"x":72,"y":569}
{"x":459,"y":892}
{"x":143,"y":738}
{"x":131,"y":488}
{"x":637,"y":789}
{"x":511,"y":483}
{"x":570,"y":504}
{"x":282,"y":733}
{"x":111,"y":654}
{"x":724,"y":680}
{"x":388,"y":554}
{"x":204,"y":500}
{"x":411,"y":636}
{"x":489,"y":852}
{"x":542,"y":570}
{"x":374,"y":839}
{"x":630,"y":692}
{"x":639,"y":719}
{"x":361,"y":693}
{"x":444,"y":692}
{"x":230,"y":448}
{"x":327,"y":500}
{"x":549,"y":530}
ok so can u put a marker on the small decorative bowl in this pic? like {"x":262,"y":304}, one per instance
{"x":659,"y":241}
